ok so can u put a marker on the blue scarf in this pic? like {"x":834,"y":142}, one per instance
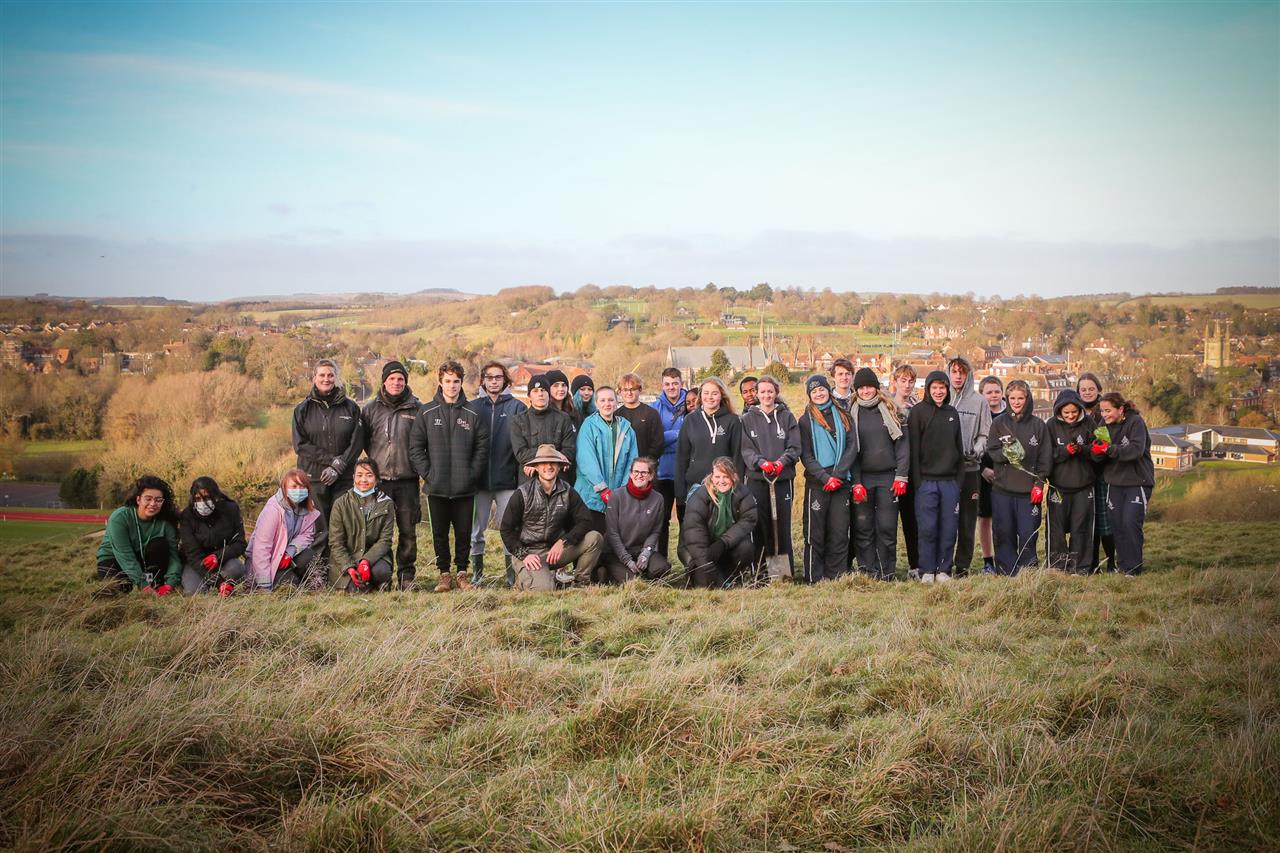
{"x":828,"y":448}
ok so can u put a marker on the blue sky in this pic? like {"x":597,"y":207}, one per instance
{"x":208,"y":150}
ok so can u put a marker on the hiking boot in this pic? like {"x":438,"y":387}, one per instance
{"x":408,"y":584}
{"x":462,"y":582}
{"x":927,"y":577}
{"x":446,"y":582}
{"x":225,"y":589}
{"x":943,"y":577}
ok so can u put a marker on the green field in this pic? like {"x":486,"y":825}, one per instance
{"x":1043,"y":712}
{"x":51,"y":460}
{"x":22,"y":532}
{"x":46,"y":448}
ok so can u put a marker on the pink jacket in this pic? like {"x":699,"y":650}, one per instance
{"x":271,"y":538}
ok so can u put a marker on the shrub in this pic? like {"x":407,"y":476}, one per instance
{"x":79,"y":488}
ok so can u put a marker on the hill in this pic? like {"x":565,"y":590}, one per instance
{"x":1046,"y":711}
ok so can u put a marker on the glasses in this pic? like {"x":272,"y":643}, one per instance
{"x":149,"y":500}
{"x":641,"y":473}
{"x":490,"y":376}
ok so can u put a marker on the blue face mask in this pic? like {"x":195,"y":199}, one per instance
{"x":297,"y":495}
{"x":366,"y":493}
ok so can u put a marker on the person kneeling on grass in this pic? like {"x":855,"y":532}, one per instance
{"x":633,"y":522}
{"x":547,"y":526}
{"x":715,"y":539}
{"x":361,"y":525}
{"x":288,"y":535}
{"x":140,"y":545}
{"x":211,"y":535}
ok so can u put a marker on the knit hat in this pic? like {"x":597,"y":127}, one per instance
{"x":394,"y":367}
{"x":540,"y":381}
{"x":554,"y":376}
{"x":579,"y":381}
{"x":865,"y":376}
{"x":816,"y":380}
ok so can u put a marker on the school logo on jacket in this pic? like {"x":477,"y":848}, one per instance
{"x":816,"y":505}
{"x":407,"y":415}
{"x":464,"y":423}
{"x":1033,"y":441}
{"x":437,"y":422}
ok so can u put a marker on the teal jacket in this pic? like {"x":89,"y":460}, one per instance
{"x":604,"y":458}
{"x":126,"y":540}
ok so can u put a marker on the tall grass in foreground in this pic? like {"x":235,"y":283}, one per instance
{"x":1042,"y":712}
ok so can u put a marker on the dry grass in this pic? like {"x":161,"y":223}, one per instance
{"x":1043,"y":712}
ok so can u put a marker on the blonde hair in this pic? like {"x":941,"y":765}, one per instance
{"x":725,"y":402}
{"x":725,"y":465}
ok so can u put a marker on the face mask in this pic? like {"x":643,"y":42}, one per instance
{"x":297,"y":495}
{"x":205,"y":508}
{"x":365,"y":493}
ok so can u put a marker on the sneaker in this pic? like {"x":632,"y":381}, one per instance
{"x":943,"y":577}
{"x":913,"y":574}
{"x":927,"y":577}
{"x":566,"y":578}
{"x":988,"y":567}
{"x":225,"y":589}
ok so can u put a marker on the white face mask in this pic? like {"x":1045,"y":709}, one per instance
{"x":204,"y":508}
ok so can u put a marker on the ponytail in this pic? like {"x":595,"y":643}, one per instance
{"x":1117,"y":401}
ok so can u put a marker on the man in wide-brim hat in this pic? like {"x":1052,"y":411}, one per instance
{"x":547,"y":527}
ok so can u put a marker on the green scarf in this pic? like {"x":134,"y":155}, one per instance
{"x":724,"y":514}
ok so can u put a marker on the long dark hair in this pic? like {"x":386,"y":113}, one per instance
{"x":1117,"y":401}
{"x":168,"y":511}
{"x":210,"y":485}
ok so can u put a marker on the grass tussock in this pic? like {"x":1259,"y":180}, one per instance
{"x":1044,"y":712}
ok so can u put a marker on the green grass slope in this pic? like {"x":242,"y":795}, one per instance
{"x":1040,"y":712}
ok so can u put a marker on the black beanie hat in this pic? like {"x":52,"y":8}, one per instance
{"x":554,"y":376}
{"x":814,"y":381}
{"x":580,"y":381}
{"x":540,"y":381}
{"x":394,"y":367}
{"x":865,"y":376}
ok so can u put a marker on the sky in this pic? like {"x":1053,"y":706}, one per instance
{"x":216,"y":150}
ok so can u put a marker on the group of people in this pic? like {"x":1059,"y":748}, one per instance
{"x":583,"y":483}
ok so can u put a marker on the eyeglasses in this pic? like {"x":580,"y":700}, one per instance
{"x":149,"y":500}
{"x":641,"y":473}
{"x":497,"y":376}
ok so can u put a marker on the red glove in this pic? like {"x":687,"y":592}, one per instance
{"x":777,"y":467}
{"x":147,"y":589}
{"x":226,"y":589}
{"x":362,"y":568}
{"x":210,"y":562}
{"x":831,"y":485}
{"x":605,"y":494}
{"x":859,"y":493}
{"x":899,"y":487}
{"x":286,"y":561}
{"x":354,"y":574}
{"x":766,"y":466}
{"x":1037,"y":494}
{"x":164,"y":590}
{"x":1100,"y":447}
{"x":1073,"y":449}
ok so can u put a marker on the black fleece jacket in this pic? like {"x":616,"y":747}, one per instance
{"x":936,"y":445}
{"x":1032,"y":434}
{"x":702,"y":439}
{"x":327,"y":431}
{"x":1128,"y":459}
{"x":221,"y":533}
{"x":449,"y":446}
{"x":1071,"y":471}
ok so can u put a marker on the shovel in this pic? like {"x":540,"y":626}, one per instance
{"x":777,"y":566}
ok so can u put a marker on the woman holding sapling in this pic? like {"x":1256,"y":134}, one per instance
{"x":1021,"y":454}
{"x":1089,"y":387}
{"x":1129,"y":474}
{"x":139,"y":548}
{"x":211,"y":533}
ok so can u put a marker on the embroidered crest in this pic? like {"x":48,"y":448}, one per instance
{"x":1034,"y":442}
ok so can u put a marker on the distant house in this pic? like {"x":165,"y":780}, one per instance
{"x":1009,"y":366}
{"x":733,"y":321}
{"x":619,"y":320}
{"x":1169,"y":453}
{"x":1241,"y":444}
{"x":690,"y":360}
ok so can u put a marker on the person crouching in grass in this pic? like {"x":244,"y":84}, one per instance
{"x":715,"y":539}
{"x":362,"y":523}
{"x":140,"y":546}
{"x":288,"y":535}
{"x":211,"y":533}
{"x":547,"y":527}
{"x":633,"y":522}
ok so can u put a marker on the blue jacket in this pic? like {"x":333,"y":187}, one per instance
{"x":497,"y":416}
{"x":604,"y":459}
{"x":672,"y":419}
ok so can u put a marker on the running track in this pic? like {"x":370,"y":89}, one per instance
{"x":76,"y":517}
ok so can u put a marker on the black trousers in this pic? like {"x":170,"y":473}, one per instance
{"x":380,"y":577}
{"x":763,"y":536}
{"x":297,"y":573}
{"x":1127,"y":506}
{"x":875,"y":527}
{"x":826,"y":533}
{"x":196,"y":578}
{"x":406,"y":495}
{"x":910,"y":530}
{"x":155,"y":562}
{"x":667,"y":488}
{"x":452,"y":513}
{"x":966,"y":534}
{"x":726,"y":571}
{"x":324,"y":496}
{"x":1070,"y":529}
{"x":615,"y":571}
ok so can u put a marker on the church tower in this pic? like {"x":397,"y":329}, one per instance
{"x":1217,"y":346}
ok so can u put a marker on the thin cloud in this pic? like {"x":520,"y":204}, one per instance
{"x":288,"y":84}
